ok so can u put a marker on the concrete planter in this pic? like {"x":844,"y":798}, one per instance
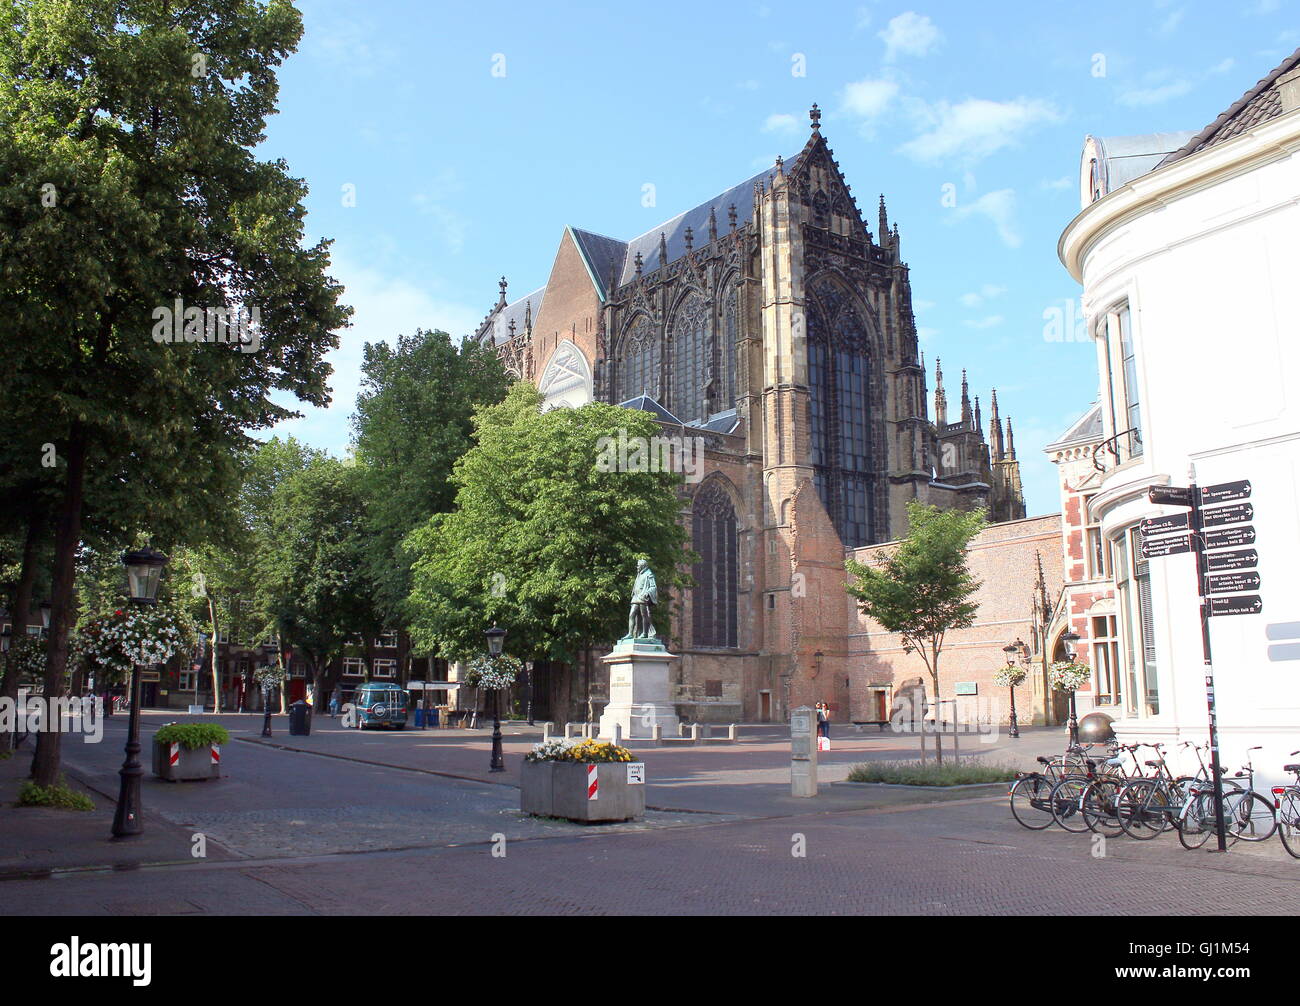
{"x":561,"y":789}
{"x":178,"y":764}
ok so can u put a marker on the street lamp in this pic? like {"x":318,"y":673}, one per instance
{"x":266,"y":700}
{"x":495,"y":637}
{"x":1069,"y":638}
{"x":143,"y":571}
{"x":1013,"y":650}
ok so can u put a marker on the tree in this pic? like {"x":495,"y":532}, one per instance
{"x":543,"y":540}
{"x":923,"y":589}
{"x":131,"y":207}
{"x":413,"y":422}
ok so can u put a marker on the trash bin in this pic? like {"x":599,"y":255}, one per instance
{"x":419,"y":717}
{"x":433,"y":717}
{"x":299,"y":719}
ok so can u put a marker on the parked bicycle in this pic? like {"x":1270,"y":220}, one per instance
{"x":1031,"y":794}
{"x":1287,"y":801}
{"x":1149,"y":805}
{"x":1247,"y":814}
{"x":1099,"y":801}
{"x":1066,"y":798}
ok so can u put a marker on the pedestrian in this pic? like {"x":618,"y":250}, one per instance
{"x":334,"y":703}
{"x":823,"y":720}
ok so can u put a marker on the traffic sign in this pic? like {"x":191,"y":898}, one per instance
{"x":1229,"y":536}
{"x":1155,"y":548}
{"x":1171,"y":495}
{"x":1244,"y":558}
{"x":1231,"y":583}
{"x":1226,"y":491}
{"x":1232,"y":514}
{"x":1159,"y":525}
{"x":1243,"y":604}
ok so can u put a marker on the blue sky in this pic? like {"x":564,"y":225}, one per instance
{"x":473,"y":133}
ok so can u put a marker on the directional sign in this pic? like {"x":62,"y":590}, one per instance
{"x":1244,"y":604}
{"x":1231,"y":583}
{"x":1155,"y":548}
{"x":1229,"y":536}
{"x":1171,"y":495}
{"x":1158,"y":525}
{"x":1226,"y":491}
{"x":1234,"y":514}
{"x":1244,"y":558}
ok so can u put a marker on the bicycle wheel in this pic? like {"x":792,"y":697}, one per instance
{"x":1144,"y":809}
{"x":1196,"y":823}
{"x":1099,"y":806}
{"x":1066,"y":799}
{"x":1288,"y":822}
{"x":1254,"y":818}
{"x":1031,"y":803}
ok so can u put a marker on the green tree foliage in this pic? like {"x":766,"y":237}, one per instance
{"x":542,"y":541}
{"x":923,"y":588}
{"x":413,"y":421}
{"x":128,"y":180}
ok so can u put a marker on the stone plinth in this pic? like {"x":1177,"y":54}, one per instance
{"x":638,"y":690}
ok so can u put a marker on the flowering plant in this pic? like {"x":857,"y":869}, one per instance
{"x":1009,"y":676}
{"x":269,"y":676}
{"x":138,"y":634}
{"x":587,"y":751}
{"x":27,"y":655}
{"x":493,"y":672}
{"x":1069,"y":675}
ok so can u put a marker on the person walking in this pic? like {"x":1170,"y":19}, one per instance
{"x":823,"y":720}
{"x":334,"y":703}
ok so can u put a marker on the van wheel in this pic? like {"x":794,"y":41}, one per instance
{"x":400,"y":726}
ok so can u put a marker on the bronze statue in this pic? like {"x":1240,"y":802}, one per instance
{"x":645,"y":595}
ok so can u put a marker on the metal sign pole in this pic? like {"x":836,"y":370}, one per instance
{"x":1198,"y":543}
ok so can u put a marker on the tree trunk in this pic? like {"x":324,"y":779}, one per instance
{"x":938,"y":706}
{"x":216,"y":664}
{"x":21,"y":611}
{"x":67,"y":535}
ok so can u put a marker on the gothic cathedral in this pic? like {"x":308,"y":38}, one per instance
{"x":773,"y":324}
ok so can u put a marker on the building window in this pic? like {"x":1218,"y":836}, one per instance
{"x":387,"y":641}
{"x":186,"y":681}
{"x":1094,"y":544}
{"x":1105,"y":659}
{"x":1141,"y":689}
{"x":839,"y":409}
{"x":727,"y":346}
{"x":713,"y":688}
{"x":640,"y":363}
{"x":385,"y":668}
{"x":1145,"y":625}
{"x":691,"y":360}
{"x":1125,"y":408}
{"x":714,"y":539}
{"x":354,"y":667}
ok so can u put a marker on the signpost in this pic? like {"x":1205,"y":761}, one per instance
{"x":1198,"y":540}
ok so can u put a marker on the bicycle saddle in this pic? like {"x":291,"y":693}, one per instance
{"x":1291,"y":768}
{"x":1153,"y":764}
{"x":1044,"y":761}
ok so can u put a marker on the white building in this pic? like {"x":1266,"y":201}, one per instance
{"x":1190,"y":264}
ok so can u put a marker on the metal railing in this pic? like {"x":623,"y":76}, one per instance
{"x":1122,"y":447}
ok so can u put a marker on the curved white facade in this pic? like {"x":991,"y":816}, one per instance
{"x":1193,"y":273}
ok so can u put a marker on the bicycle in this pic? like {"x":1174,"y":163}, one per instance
{"x":1099,"y":801}
{"x":1247,"y":814}
{"x":1066,"y":797}
{"x":1287,"y":802}
{"x":1031,"y":794}
{"x":1149,"y":805}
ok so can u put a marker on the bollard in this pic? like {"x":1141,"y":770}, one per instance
{"x":803,"y":752}
{"x":546,"y":731}
{"x":731,"y":732}
{"x":617,"y":732}
{"x":657,"y":734}
{"x":568,"y":731}
{"x":695,"y":733}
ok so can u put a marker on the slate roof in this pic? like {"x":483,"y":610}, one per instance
{"x":723,"y":422}
{"x":603,"y":255}
{"x":1261,"y":103}
{"x":1087,"y":428}
{"x":515,"y":311}
{"x":647,"y":404}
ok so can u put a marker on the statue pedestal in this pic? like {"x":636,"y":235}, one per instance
{"x":638,"y":690}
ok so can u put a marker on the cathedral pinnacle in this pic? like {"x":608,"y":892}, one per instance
{"x":884,"y":219}
{"x":815,"y":114}
{"x":731,"y":215}
{"x":638,"y":260}
{"x":713,"y":225}
{"x":690,"y":238}
{"x":501,"y":301}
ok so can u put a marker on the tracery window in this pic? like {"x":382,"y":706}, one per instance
{"x":714,"y":538}
{"x":640,"y":363}
{"x":839,"y":372}
{"x":727,"y":348}
{"x":692,"y":358}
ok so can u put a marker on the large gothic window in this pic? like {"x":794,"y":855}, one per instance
{"x":692,"y":355}
{"x":713,"y":536}
{"x":839,"y":371}
{"x":640,"y":363}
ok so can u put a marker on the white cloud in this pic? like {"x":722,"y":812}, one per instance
{"x":1000,"y":208}
{"x":925,"y":334}
{"x":780,"y":122}
{"x":989,"y":322}
{"x":1170,"y":23}
{"x":974,"y":128}
{"x":1266,"y":6}
{"x":1140,"y":97}
{"x":909,"y":34}
{"x":986,"y":292}
{"x":868,"y":98}
{"x":384,"y":308}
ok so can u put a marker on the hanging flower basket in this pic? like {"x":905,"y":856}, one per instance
{"x":490,"y":673}
{"x":27,"y":655}
{"x":1069,"y":676}
{"x":112,"y":644}
{"x":1009,"y":676}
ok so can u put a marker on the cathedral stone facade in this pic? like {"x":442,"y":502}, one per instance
{"x":774,"y":325}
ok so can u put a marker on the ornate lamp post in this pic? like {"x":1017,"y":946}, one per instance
{"x":143,"y":571}
{"x":1013,"y":650}
{"x":1069,"y":638}
{"x":495,"y":637}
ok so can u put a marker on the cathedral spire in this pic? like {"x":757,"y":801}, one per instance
{"x":528,"y":318}
{"x":501,"y":301}
{"x":979,"y":423}
{"x":663,"y":250}
{"x":884,"y":220}
{"x":815,"y":114}
{"x":965,"y":399}
{"x":1011,"y":442}
{"x":995,"y":430}
{"x":638,"y":261}
{"x":940,"y":396}
{"x":713,"y":225}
